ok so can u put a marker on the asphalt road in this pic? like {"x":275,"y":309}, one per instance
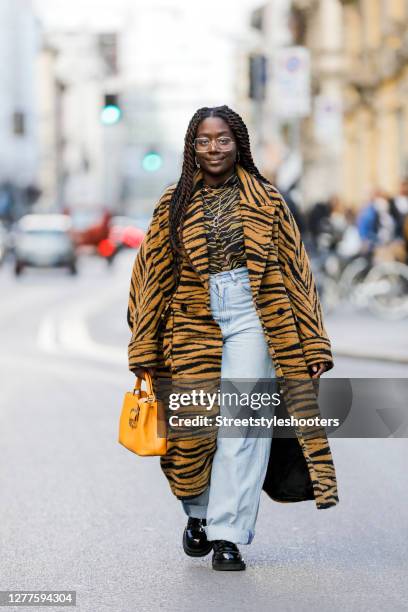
{"x":79,"y":512}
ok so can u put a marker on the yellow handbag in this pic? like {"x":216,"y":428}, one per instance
{"x":142,"y":425}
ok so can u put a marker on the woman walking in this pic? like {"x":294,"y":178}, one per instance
{"x":221,"y":288}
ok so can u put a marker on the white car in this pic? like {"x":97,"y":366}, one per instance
{"x":44,"y":240}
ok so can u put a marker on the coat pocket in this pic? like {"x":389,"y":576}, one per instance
{"x":196,"y":342}
{"x":186,"y":320}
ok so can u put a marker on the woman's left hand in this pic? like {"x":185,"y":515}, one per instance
{"x":317,"y":369}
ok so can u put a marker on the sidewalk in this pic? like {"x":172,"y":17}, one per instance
{"x":361,"y":335}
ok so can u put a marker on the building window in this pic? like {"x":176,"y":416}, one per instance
{"x":18,"y":123}
{"x":108,"y":49}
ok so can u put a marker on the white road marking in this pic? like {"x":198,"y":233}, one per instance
{"x":47,"y":335}
{"x":74,"y":338}
{"x":65,"y":332}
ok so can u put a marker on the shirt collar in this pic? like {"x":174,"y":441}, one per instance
{"x":231,"y":181}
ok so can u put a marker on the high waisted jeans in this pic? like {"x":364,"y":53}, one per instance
{"x":231,"y":502}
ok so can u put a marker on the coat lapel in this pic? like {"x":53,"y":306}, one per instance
{"x":257,"y":208}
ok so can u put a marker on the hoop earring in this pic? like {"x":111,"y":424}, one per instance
{"x":238,"y":157}
{"x":197,"y":163}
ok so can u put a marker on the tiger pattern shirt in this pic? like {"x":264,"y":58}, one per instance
{"x":225,"y":243}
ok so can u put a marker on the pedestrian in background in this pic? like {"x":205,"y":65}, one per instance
{"x":222,"y":288}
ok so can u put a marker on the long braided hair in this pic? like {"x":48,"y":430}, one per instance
{"x":182,"y":193}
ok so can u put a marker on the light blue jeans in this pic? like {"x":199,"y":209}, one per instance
{"x":231,"y":502}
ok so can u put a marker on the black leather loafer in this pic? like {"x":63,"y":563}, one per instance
{"x":227,"y":556}
{"x":195,"y":541}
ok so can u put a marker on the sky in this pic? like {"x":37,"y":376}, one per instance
{"x":229,"y":15}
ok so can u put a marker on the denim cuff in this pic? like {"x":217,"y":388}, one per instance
{"x":238,"y":536}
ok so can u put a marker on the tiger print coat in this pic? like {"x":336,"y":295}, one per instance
{"x":173,"y":330}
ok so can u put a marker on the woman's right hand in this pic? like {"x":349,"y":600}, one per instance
{"x":140,"y":372}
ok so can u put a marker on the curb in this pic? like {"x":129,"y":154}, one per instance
{"x":373,"y":356}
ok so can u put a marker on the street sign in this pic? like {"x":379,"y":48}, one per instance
{"x":291,"y":82}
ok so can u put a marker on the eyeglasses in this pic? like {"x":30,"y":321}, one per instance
{"x":203,"y":144}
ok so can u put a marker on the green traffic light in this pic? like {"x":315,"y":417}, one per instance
{"x":110,"y":114}
{"x":152,"y":162}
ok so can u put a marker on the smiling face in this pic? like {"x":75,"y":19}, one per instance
{"x":215,"y":163}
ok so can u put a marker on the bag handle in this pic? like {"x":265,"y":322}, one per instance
{"x":149,"y":387}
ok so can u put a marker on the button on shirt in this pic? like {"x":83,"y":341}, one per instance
{"x":225,"y":243}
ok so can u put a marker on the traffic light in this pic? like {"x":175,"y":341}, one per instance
{"x":152,"y":161}
{"x":111,"y":112}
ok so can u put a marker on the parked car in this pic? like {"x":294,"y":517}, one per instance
{"x":124,"y":233}
{"x":44,"y":240}
{"x":90,"y":227}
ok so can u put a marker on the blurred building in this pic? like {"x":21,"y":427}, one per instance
{"x":18,"y":129}
{"x":49,"y":119}
{"x":155,"y":63}
{"x":318,"y":26}
{"x":273,"y":145}
{"x":375,"y":95}
{"x":80,"y":155}
{"x":356,"y":136}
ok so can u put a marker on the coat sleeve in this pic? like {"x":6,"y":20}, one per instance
{"x":301,"y":288}
{"x":149,"y":291}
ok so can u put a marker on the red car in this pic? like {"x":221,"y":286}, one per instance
{"x":123,"y":234}
{"x":90,"y":227}
{"x":106,"y":234}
